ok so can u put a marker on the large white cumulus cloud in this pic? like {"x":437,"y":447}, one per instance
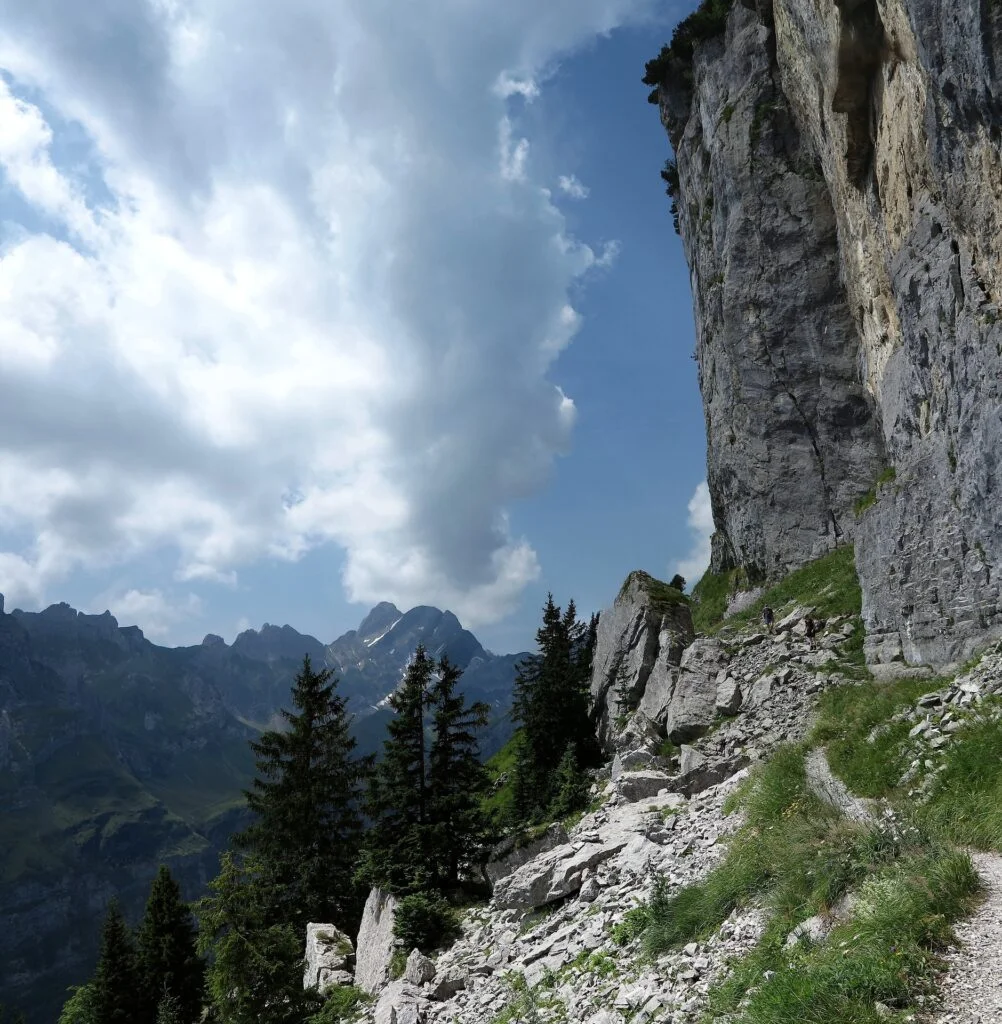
{"x":279,"y":275}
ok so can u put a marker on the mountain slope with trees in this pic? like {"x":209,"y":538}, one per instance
{"x":117,"y":755}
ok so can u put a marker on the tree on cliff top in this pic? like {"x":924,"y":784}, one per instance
{"x":308,"y":828}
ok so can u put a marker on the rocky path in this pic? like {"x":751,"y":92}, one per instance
{"x":971,"y":991}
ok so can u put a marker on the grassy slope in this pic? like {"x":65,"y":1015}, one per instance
{"x":868,"y":752}
{"x":829,"y":585}
{"x":796,"y":857}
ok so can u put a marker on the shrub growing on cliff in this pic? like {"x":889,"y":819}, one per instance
{"x":425,"y":921}
{"x":707,"y":21}
{"x":342,"y":1004}
{"x":673,"y":189}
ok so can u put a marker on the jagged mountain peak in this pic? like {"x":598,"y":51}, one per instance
{"x":278,"y":643}
{"x":380,"y":618}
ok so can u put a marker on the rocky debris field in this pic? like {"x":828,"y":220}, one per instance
{"x":938,"y":715}
{"x":554,"y":943}
{"x":562,"y":960}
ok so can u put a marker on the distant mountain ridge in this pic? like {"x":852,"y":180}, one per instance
{"x":117,"y":754}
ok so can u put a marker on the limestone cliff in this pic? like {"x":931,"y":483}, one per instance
{"x":839,"y":184}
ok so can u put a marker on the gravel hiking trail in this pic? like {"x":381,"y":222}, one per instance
{"x":971,"y":990}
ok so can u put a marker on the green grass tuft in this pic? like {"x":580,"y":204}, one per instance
{"x":663,"y":597}
{"x":847,"y":715}
{"x":886,"y":953}
{"x":710,"y":597}
{"x":829,"y":584}
{"x":868,"y":499}
{"x":966,"y":802}
{"x":797,"y":857}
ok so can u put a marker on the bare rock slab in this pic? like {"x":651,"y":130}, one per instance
{"x":375,"y":942}
{"x":553,"y":875}
{"x":693,"y":705}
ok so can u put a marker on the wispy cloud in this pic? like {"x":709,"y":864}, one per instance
{"x":697,"y":561}
{"x":570,"y":186}
{"x":158,"y":613}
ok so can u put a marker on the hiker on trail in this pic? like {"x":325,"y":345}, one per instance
{"x":767,"y":617}
{"x":810,"y":628}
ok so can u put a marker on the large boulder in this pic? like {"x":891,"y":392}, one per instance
{"x":629,"y":761}
{"x":552,"y":876}
{"x":729,"y":696}
{"x":639,"y":785}
{"x":400,"y":1003}
{"x":646,"y":623}
{"x":329,"y":953}
{"x":693,"y":705}
{"x":375,"y":942}
{"x":511,"y":853}
{"x":419,"y":968}
{"x":697,"y":772}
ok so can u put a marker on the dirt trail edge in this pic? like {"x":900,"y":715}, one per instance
{"x":971,"y":990}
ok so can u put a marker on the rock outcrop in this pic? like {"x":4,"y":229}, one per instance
{"x":839,"y":184}
{"x":513,"y":852}
{"x":376,"y":943}
{"x":329,"y":955}
{"x":639,"y":648}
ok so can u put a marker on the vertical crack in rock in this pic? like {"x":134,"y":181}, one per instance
{"x":812,"y":435}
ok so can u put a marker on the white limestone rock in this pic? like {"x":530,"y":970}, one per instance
{"x":329,"y":954}
{"x":375,"y":942}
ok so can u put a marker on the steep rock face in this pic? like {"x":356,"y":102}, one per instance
{"x":793,"y":439}
{"x":841,"y":210}
{"x":636,"y":636}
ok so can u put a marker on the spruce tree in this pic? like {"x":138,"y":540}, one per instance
{"x":308,"y":828}
{"x":116,"y":981}
{"x":570,"y":786}
{"x":81,"y":1007}
{"x":457,"y":779}
{"x":255,"y":967}
{"x":551,"y":702}
{"x":168,"y":962}
{"x":398,"y":848}
{"x":169,"y":1012}
{"x":524,"y":793}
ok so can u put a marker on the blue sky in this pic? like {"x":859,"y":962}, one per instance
{"x":307,"y":308}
